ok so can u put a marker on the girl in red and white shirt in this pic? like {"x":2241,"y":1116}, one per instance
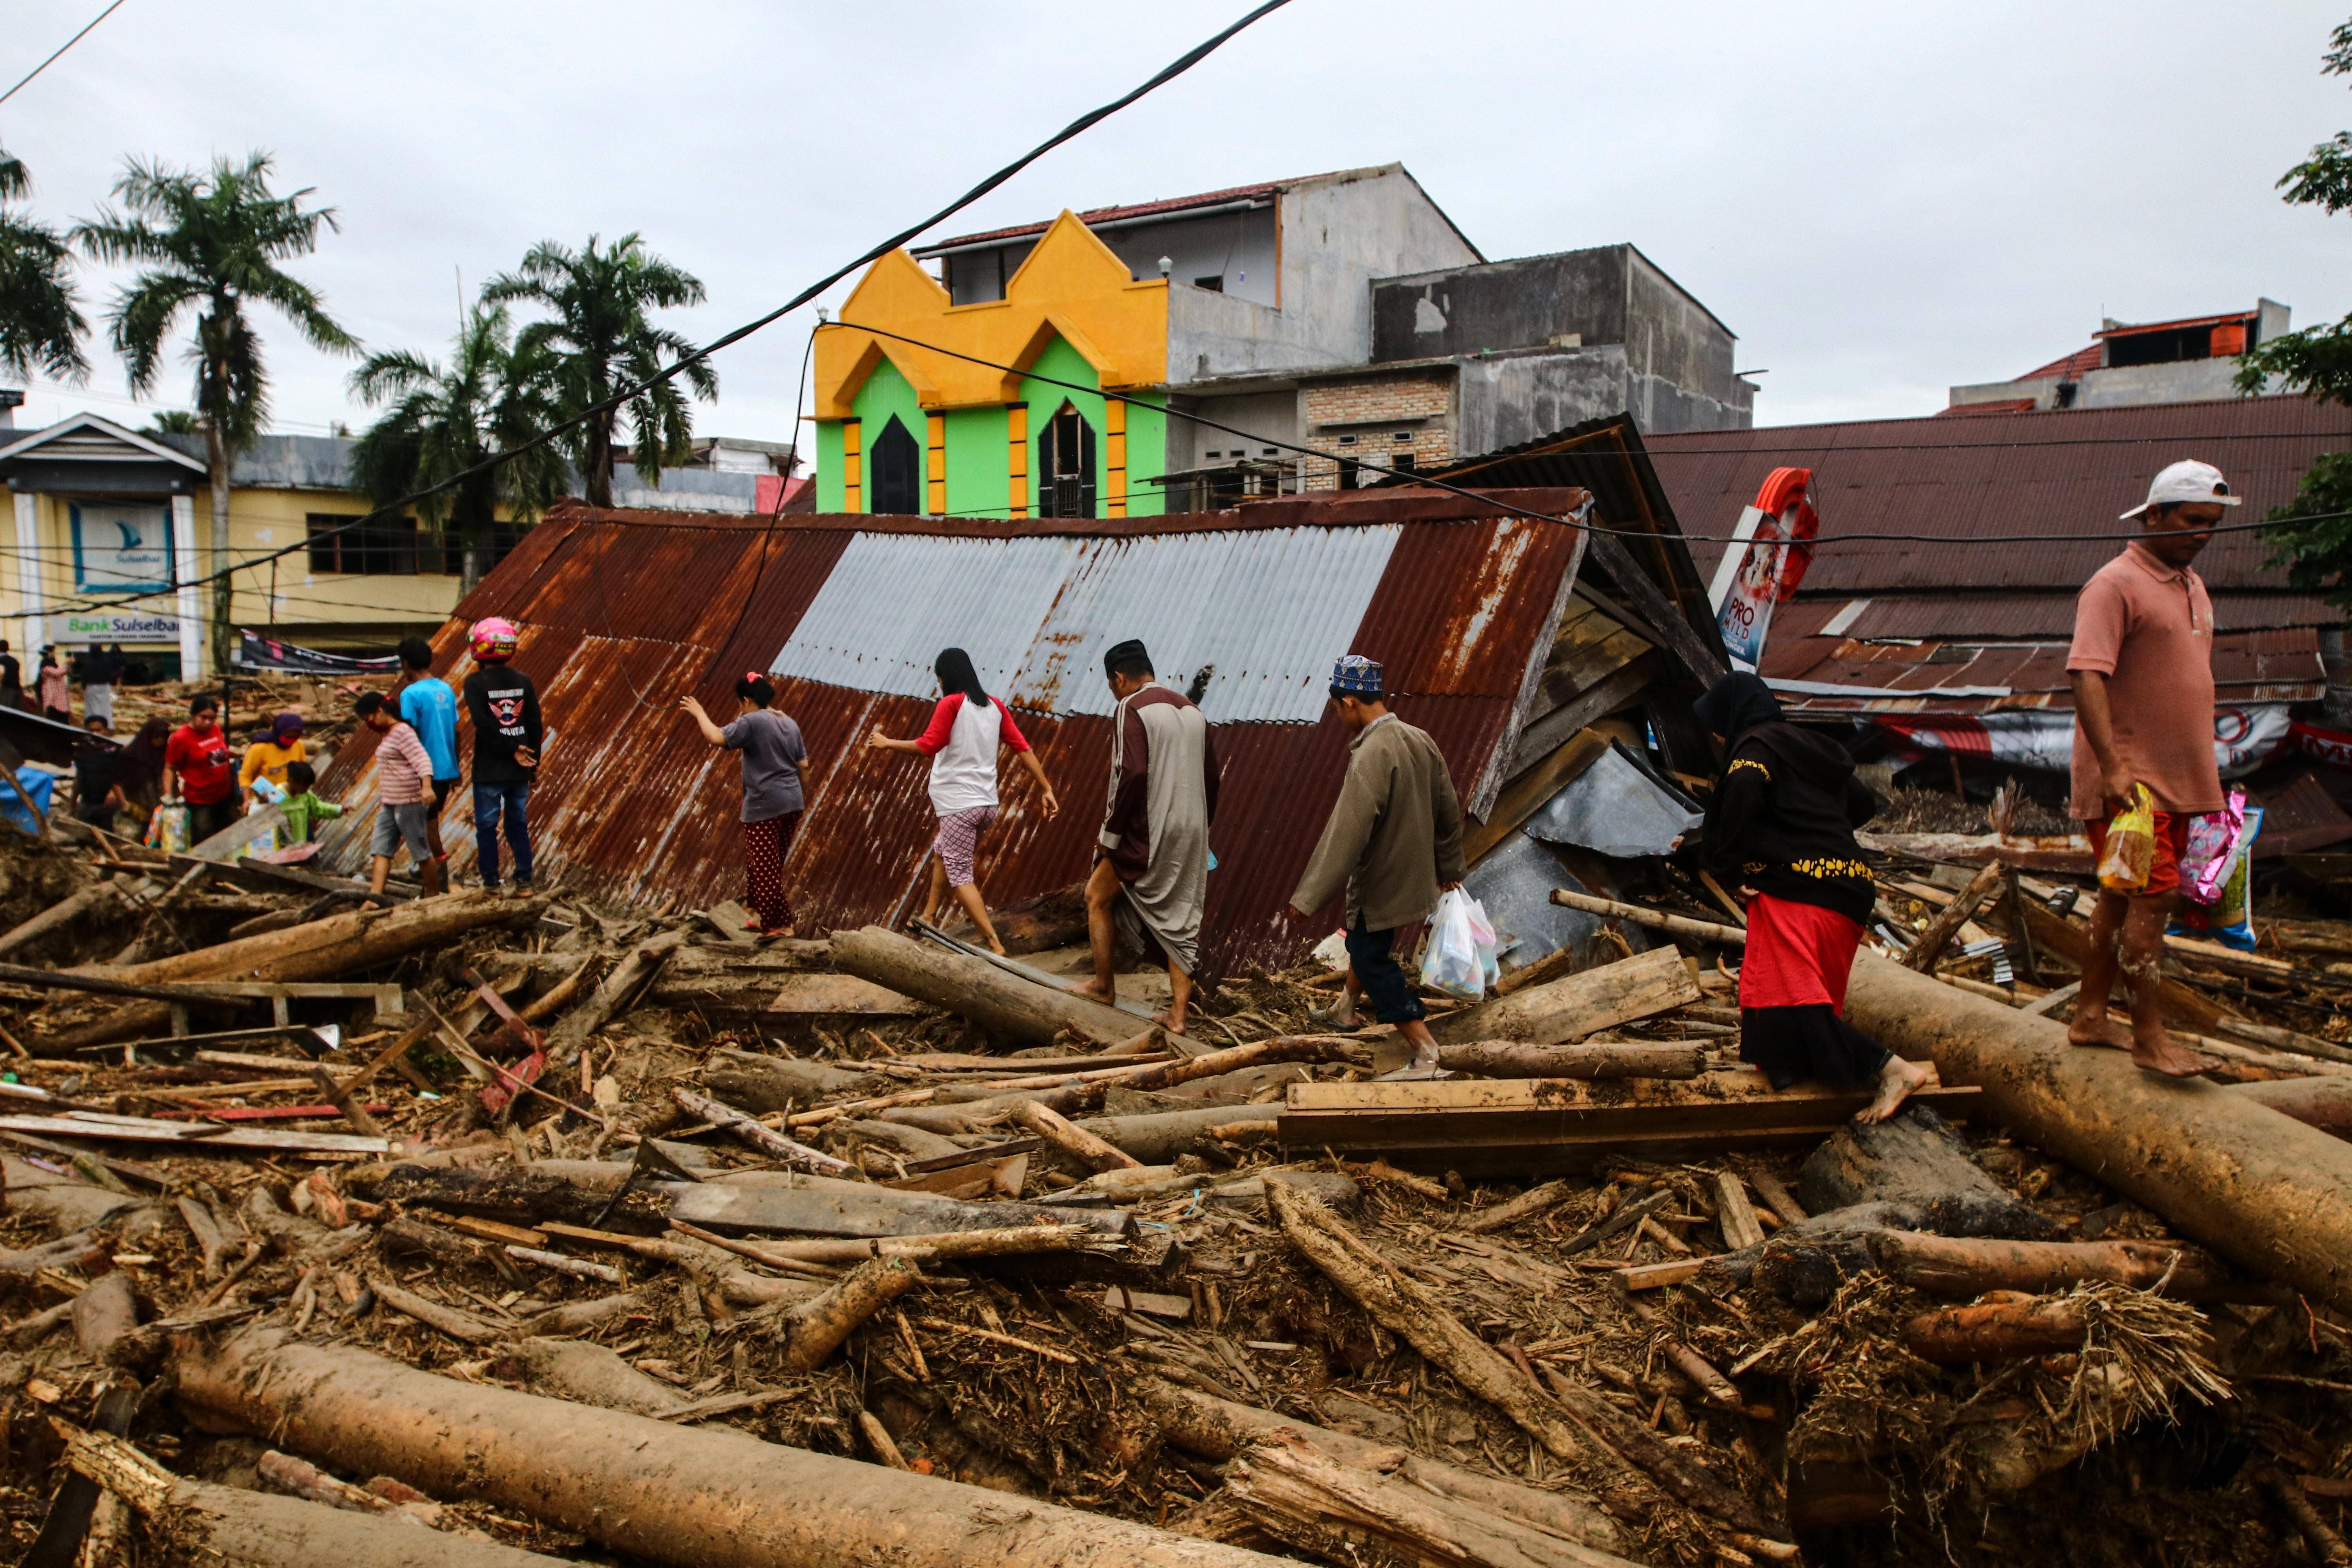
{"x":966,"y":729}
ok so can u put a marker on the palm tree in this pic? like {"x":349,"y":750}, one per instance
{"x":212,"y":241}
{"x":599,"y":341}
{"x":40,"y":325}
{"x":442,"y":423}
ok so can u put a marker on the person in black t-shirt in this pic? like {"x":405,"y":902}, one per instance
{"x":12,"y":678}
{"x":97,"y":767}
{"x":503,"y":706}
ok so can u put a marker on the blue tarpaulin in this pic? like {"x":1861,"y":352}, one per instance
{"x":40,"y":784}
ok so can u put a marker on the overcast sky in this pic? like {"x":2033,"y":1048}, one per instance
{"x":1880,"y":200}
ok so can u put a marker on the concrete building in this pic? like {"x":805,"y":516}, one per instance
{"x":1292,"y":313}
{"x":2186,"y":361}
{"x":104,"y":513}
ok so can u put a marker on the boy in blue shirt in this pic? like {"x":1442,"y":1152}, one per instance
{"x":430,"y":708}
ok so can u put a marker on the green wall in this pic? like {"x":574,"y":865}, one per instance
{"x":978,"y":484}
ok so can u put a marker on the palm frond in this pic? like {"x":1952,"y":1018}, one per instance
{"x":41,"y":324}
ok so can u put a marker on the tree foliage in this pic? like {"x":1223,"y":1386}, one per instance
{"x":441,"y":422}
{"x":2317,"y":361}
{"x":210,"y":243}
{"x":598,"y":340}
{"x":41,"y":324}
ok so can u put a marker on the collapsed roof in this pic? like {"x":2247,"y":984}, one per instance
{"x":1490,"y":639}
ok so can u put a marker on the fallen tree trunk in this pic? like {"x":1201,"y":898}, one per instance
{"x":755,"y":1134}
{"x":1309,"y":1500}
{"x":1995,"y":1331}
{"x":1969,"y":1266}
{"x":61,"y":915}
{"x":262,"y":1529}
{"x":1927,"y":949}
{"x":683,"y":1495}
{"x":815,"y":1329}
{"x":323,"y":950}
{"x":1220,"y":1430}
{"x":1578,"y":1005}
{"x":632,"y":974}
{"x":977,"y":991}
{"x":1509,"y":1058}
{"x":808,"y":1206}
{"x":1080,"y":1145}
{"x":2263,"y":1191}
{"x":2322,"y":1103}
{"x":762,"y":1084}
{"x":1159,"y":1137}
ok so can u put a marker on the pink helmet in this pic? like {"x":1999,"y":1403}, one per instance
{"x":494,"y":639}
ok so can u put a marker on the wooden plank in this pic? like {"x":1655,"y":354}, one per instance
{"x":1659,"y":616}
{"x":855,"y":1209}
{"x":838,"y":996}
{"x":1554,"y":729}
{"x":1577,"y":1004}
{"x":1650,"y":1276}
{"x":1524,"y":1126}
{"x":1526,"y":795}
{"x":1734,"y":1212}
{"x":124,"y":1129}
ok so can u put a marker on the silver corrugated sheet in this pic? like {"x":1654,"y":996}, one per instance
{"x":1266,"y":610}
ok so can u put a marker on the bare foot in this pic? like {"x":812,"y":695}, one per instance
{"x":1340,"y":1014}
{"x":1094,"y":990}
{"x":997,"y":947}
{"x":2169,"y":1057}
{"x":1171,"y":1020}
{"x":2099,"y":1031}
{"x":1897,"y":1082}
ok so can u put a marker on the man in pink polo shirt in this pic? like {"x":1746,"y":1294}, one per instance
{"x":2142,"y":669}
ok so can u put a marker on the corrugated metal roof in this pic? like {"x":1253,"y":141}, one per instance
{"x":2056,"y":471}
{"x":2001,"y":616}
{"x":1173,"y":207}
{"x":622,"y":612}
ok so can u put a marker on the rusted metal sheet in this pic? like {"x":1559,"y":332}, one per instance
{"x":1961,"y":480}
{"x":1952,"y":677}
{"x":1960,"y":616}
{"x":623,"y":613}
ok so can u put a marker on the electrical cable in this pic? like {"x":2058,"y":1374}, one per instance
{"x":1093,"y":116}
{"x":70,"y":43}
{"x":1488,"y":498}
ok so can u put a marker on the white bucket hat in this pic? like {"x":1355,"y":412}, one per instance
{"x":2185,"y":481}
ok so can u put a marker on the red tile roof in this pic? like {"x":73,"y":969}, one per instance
{"x":2004,"y":406}
{"x":2071,"y":368}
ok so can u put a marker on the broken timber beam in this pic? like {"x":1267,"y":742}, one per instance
{"x":1510,"y":1059}
{"x":2221,"y":1168}
{"x":1577,"y":1004}
{"x":991,"y":998}
{"x":653,"y":1489}
{"x":1522,"y":1126}
{"x":1682,"y":926}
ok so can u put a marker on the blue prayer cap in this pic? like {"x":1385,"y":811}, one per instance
{"x":1357,"y":675}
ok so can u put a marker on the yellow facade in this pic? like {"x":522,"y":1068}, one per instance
{"x":286,"y":594}
{"x":1072,"y":285}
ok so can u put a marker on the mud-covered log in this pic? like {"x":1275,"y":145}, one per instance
{"x":814,"y":1329}
{"x":763,"y":1084}
{"x":64,"y":913}
{"x":684,"y":1495}
{"x":2263,"y":1191}
{"x":977,"y":991}
{"x":1219,"y":1429}
{"x":320,"y":950}
{"x":1089,"y":1150}
{"x":1969,"y":1266}
{"x":588,"y":1373}
{"x":2322,"y":1103}
{"x":1317,"y":1504}
{"x":103,"y":1314}
{"x":1995,"y":1331}
{"x":611,"y":994}
{"x":211,"y":1523}
{"x":1159,"y":1137}
{"x":1527,"y":1206}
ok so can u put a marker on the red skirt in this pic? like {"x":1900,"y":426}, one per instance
{"x":1799,"y":955}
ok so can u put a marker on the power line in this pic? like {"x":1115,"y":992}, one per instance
{"x":1488,"y":498}
{"x":70,"y":43}
{"x":1176,"y":68}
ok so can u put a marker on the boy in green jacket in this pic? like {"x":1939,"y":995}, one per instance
{"x":303,"y":808}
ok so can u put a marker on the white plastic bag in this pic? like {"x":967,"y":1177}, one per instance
{"x":1460,"y":957}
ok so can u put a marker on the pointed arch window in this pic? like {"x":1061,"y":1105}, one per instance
{"x":894,"y":476}
{"x":1065,"y":465}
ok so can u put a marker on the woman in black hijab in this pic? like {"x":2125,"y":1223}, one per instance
{"x":1781,"y":824}
{"x":138,"y":771}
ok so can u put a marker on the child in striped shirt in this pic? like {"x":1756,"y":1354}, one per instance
{"x":403,"y":774}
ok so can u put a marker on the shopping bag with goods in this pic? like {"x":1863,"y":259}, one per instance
{"x":2129,"y":854}
{"x":1460,"y":957}
{"x":2211,"y":853}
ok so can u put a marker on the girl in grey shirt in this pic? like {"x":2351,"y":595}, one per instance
{"x":772,"y":756}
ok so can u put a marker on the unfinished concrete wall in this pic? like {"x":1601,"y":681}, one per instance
{"x":1236,"y":249}
{"x":1671,"y":336}
{"x":1337,"y":234}
{"x":1270,"y":416}
{"x":1521,"y":303}
{"x":1505,"y":399}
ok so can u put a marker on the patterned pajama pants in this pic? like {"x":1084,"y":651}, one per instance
{"x":765,"y":845}
{"x":959,"y":831}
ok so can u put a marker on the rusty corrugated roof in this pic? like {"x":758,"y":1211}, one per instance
{"x":623,"y":613}
{"x":2053,"y":471}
